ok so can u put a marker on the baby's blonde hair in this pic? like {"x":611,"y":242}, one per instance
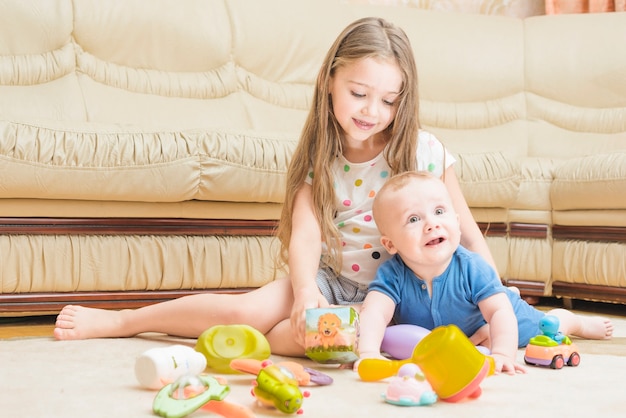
{"x":395,"y":183}
{"x":320,"y":142}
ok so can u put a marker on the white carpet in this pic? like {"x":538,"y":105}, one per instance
{"x":40,"y":377}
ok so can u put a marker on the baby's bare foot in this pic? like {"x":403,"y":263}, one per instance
{"x":596,"y":328}
{"x":79,"y":323}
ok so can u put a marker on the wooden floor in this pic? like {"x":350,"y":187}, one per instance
{"x":31,"y":326}
{"x":42,"y":326}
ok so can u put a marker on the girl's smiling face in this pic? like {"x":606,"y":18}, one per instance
{"x":365,"y":98}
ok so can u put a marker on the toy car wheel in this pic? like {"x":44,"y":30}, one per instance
{"x":557,"y":362}
{"x":574,"y":360}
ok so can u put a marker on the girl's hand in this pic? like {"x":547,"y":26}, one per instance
{"x":507,"y":365}
{"x":309,"y":298}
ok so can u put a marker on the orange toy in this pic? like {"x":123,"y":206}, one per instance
{"x":303,"y":375}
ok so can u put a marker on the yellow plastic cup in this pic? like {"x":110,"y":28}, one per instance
{"x":222,"y":343}
{"x":452,"y":365}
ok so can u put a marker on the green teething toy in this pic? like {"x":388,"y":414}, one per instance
{"x":187,"y":394}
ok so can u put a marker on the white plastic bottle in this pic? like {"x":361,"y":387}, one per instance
{"x":159,"y":366}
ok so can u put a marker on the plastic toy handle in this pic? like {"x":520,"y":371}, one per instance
{"x":372,"y":369}
{"x":303,"y":376}
{"x":491,"y":364}
{"x":246,"y":365}
{"x":228,"y":410}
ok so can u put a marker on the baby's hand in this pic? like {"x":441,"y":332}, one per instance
{"x":507,"y":365}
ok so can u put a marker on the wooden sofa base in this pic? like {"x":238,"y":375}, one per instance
{"x":25,"y":304}
{"x":52,"y":303}
{"x":532,"y":291}
{"x":134,"y":226}
{"x":589,"y":292}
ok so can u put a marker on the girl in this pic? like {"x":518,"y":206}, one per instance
{"x":362,"y":128}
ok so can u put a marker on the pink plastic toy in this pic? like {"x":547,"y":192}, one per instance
{"x":409,"y":388}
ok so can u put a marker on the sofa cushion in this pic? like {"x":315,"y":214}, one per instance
{"x":117,"y":163}
{"x":488,"y":180}
{"x":533,"y":201}
{"x":593,"y":182}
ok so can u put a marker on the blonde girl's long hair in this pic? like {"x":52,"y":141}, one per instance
{"x":321,"y":139}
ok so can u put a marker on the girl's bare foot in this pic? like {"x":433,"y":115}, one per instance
{"x":79,"y":323}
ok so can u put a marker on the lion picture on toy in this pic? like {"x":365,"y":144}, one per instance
{"x":331,"y":334}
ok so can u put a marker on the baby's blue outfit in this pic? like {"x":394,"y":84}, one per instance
{"x":455,"y":295}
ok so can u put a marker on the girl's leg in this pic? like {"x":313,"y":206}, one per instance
{"x":282,"y":341}
{"x":188,"y":316}
{"x":591,"y":327}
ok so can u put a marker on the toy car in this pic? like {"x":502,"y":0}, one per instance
{"x":544,"y":351}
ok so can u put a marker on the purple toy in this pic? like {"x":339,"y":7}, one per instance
{"x":400,"y":340}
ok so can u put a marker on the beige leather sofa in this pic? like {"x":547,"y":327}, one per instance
{"x":143,"y":144}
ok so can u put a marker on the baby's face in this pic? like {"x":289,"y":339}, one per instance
{"x":419,"y":223}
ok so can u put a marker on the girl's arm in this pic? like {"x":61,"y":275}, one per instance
{"x":471,"y":237}
{"x":498,"y":313}
{"x":305,"y":248}
{"x":375,"y":315}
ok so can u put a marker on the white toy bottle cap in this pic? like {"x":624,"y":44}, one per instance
{"x":162,"y":365}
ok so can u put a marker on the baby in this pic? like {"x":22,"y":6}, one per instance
{"x":432,"y":280}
